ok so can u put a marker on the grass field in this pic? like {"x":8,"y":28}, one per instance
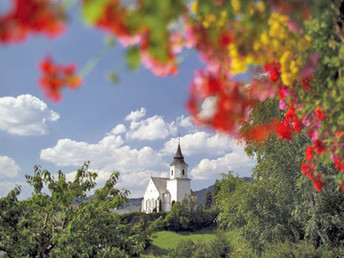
{"x":164,"y":240}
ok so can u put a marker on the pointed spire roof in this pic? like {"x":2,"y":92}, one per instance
{"x":178,"y":158}
{"x":179,"y":154}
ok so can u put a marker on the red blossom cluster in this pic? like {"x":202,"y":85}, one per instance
{"x":290,"y":125}
{"x":31,"y":16}
{"x":274,"y":69}
{"x":229,"y":104}
{"x":56,"y":77}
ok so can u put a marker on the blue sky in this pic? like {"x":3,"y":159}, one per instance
{"x":132,"y":126}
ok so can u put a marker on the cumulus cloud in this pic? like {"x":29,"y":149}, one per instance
{"x":8,"y":167}
{"x":107,"y":155}
{"x":236,"y":161}
{"x":152,"y":128}
{"x":185,"y":122}
{"x":201,"y":142}
{"x":25,"y":115}
{"x":118,"y":129}
{"x":136,"y":115}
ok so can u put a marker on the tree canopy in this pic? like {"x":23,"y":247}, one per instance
{"x":57,"y":220}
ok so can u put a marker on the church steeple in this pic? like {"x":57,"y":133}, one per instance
{"x":178,"y":157}
{"x":178,"y":167}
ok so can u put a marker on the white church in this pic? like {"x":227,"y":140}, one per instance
{"x":162,"y":192}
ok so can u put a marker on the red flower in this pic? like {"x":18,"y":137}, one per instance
{"x":274,"y":69}
{"x":342,"y":186}
{"x":319,"y":183}
{"x":319,"y":146}
{"x":307,"y":170}
{"x":225,"y":39}
{"x":285,"y":131}
{"x":31,"y":16}
{"x":306,"y":83}
{"x":230,"y":104}
{"x":319,"y":113}
{"x":309,"y":153}
{"x":297,"y":124}
{"x":55,"y":77}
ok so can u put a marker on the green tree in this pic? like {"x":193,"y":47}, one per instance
{"x":220,"y":247}
{"x":208,"y":202}
{"x":63,"y":222}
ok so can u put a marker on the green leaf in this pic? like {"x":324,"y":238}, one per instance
{"x":133,"y":57}
{"x":113,"y":77}
{"x":110,"y":41}
{"x":92,"y":9}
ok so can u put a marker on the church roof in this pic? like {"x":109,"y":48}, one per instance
{"x":160,"y":183}
{"x":178,"y":158}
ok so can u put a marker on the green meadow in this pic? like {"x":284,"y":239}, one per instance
{"x":163,"y":241}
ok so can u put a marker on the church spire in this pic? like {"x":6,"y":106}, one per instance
{"x":178,"y":158}
{"x":179,"y":154}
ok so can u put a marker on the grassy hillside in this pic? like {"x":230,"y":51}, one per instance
{"x":164,"y":240}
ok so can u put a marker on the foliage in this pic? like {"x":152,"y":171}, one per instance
{"x":189,"y":215}
{"x":219,"y":247}
{"x":62,"y":223}
{"x":208,"y":202}
{"x":301,"y":249}
{"x":279,"y":205}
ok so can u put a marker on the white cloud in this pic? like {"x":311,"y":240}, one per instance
{"x":236,"y":161}
{"x":106,"y":155}
{"x":25,"y":115}
{"x":201,"y":143}
{"x":8,"y":167}
{"x":208,"y":108}
{"x":152,"y":128}
{"x":118,"y":129}
{"x":185,"y":121}
{"x":136,"y":115}
{"x":72,"y":153}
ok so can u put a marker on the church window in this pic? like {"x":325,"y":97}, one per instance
{"x":171,"y":172}
{"x":183,"y":172}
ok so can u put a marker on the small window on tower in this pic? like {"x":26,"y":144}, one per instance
{"x":183,"y":172}
{"x":171,"y":172}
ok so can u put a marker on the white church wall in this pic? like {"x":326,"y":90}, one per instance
{"x":178,"y":188}
{"x":183,"y":189}
{"x":149,"y":198}
{"x":172,"y":188}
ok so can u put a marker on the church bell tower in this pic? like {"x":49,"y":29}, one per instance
{"x":178,"y":167}
{"x":179,"y":184}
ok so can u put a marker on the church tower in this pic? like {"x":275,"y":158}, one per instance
{"x":178,"y":167}
{"x":179,"y":184}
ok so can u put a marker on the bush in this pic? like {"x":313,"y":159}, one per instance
{"x":189,"y":249}
{"x":220,"y":246}
{"x":301,"y":249}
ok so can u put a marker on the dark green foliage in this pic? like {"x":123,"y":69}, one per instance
{"x":188,"y":215}
{"x":189,"y":249}
{"x":220,"y":247}
{"x":301,"y":249}
{"x":208,"y":202}
{"x":280,"y":204}
{"x":55,"y":224}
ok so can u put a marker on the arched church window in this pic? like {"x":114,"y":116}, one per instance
{"x":183,"y":172}
{"x":171,"y":172}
